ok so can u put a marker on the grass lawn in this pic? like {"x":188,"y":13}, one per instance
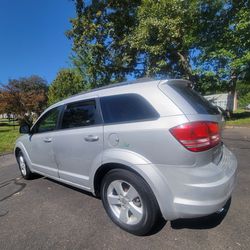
{"x":8,"y":135}
{"x":239,"y":118}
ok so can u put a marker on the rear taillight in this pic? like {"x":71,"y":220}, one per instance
{"x":197,"y":136}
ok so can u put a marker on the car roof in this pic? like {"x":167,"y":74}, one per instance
{"x":122,"y":87}
{"x":118,"y":88}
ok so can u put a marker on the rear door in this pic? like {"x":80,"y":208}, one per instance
{"x":131,"y":124}
{"x":79,"y":142}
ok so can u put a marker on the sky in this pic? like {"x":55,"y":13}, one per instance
{"x":32,"y":38}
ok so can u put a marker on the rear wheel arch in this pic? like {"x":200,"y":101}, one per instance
{"x":150,"y":211}
{"x":103,"y":170}
{"x":152,"y":177}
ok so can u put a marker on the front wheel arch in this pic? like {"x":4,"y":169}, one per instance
{"x":17,"y":150}
{"x":27,"y":174}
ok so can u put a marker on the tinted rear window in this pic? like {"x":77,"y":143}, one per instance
{"x":197,"y":101}
{"x":126,"y":108}
{"x":80,"y":114}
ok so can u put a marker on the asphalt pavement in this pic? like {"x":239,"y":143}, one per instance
{"x":44,"y":214}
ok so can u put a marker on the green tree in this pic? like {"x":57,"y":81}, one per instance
{"x":205,"y":41}
{"x":243,"y":94}
{"x":164,"y":37}
{"x":97,"y":33}
{"x":225,"y":42}
{"x":68,"y":82}
{"x":24,"y":97}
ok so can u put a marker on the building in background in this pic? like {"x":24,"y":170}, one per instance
{"x":7,"y":116}
{"x":226,"y":101}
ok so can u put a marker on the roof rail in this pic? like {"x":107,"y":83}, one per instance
{"x":139,"y":80}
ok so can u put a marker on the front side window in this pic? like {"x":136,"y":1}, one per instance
{"x":126,"y":108}
{"x":48,"y":122}
{"x":80,"y":114}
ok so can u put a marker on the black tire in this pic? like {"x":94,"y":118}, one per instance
{"x":26,"y":174}
{"x":147,"y":202}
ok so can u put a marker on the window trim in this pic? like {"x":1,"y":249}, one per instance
{"x":39,"y":119}
{"x":131,"y":121}
{"x":97,"y":115}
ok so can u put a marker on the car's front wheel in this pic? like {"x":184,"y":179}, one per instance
{"x":129,"y":201}
{"x":24,"y":168}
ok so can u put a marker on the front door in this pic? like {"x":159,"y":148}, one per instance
{"x":41,"y":143}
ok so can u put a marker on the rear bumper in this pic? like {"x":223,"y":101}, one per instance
{"x":199,"y":191}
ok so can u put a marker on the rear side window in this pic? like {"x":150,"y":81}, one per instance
{"x":80,"y":114}
{"x":198,"y":102}
{"x":126,"y":108}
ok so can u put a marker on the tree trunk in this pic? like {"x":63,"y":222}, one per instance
{"x":186,"y":67}
{"x":233,"y":90}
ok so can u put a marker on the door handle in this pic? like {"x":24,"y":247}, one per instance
{"x":91,"y":138}
{"x":47,"y":140}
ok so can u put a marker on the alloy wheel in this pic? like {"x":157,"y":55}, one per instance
{"x":125,"y":202}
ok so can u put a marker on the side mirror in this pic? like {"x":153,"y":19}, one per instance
{"x":24,"y":129}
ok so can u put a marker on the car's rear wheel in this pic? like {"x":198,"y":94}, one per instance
{"x":129,"y":201}
{"x":24,"y":168}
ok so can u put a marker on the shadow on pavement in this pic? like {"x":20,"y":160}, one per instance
{"x":8,"y":194}
{"x":20,"y":186}
{"x":160,"y":224}
{"x":206,"y":222}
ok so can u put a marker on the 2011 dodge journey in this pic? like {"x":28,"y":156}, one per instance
{"x":149,"y":149}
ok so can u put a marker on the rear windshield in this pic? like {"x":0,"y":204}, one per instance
{"x":197,"y":101}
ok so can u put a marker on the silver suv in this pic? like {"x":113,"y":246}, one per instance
{"x":149,"y":149}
